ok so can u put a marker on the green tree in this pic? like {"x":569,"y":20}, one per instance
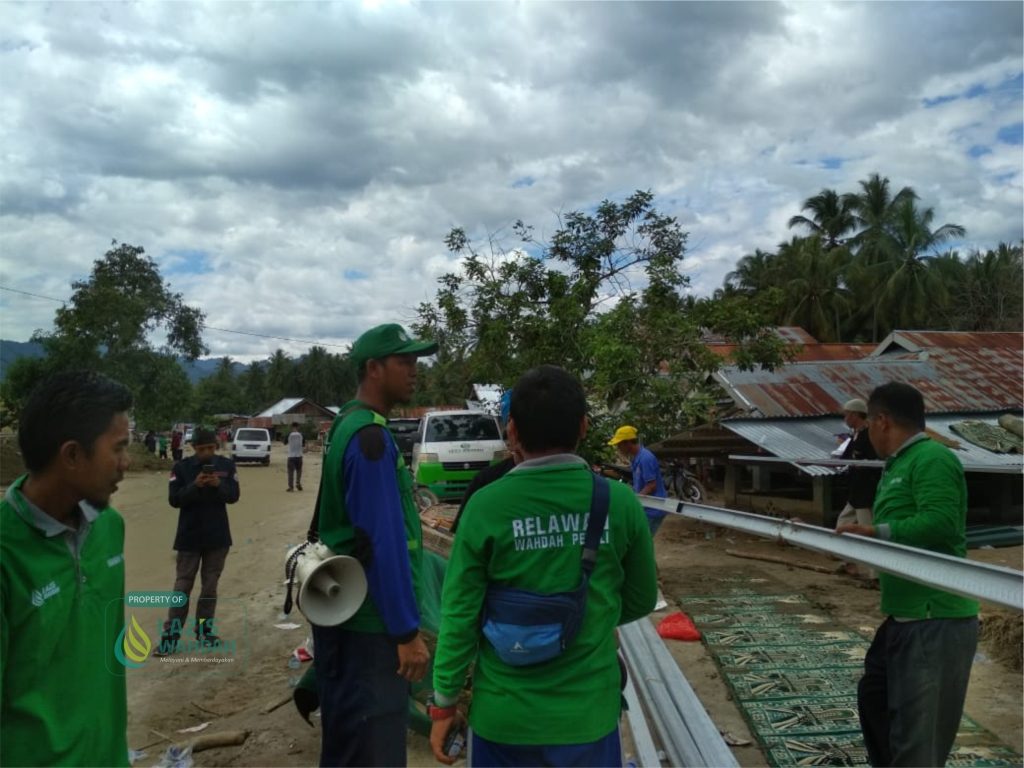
{"x":755,"y":272}
{"x":603,"y":299}
{"x":910,"y":293}
{"x":815,"y":297}
{"x":280,"y":377}
{"x":220,"y":392}
{"x":831,"y":219}
{"x":987,"y":290}
{"x":253,"y":381}
{"x":107,"y":325}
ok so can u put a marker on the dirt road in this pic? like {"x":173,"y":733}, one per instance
{"x":165,"y":697}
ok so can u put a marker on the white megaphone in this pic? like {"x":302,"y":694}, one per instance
{"x":331,"y":587}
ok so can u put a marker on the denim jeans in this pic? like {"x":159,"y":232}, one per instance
{"x":912,"y":694}
{"x":364,"y":704}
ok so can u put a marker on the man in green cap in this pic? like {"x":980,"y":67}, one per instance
{"x":364,"y":666}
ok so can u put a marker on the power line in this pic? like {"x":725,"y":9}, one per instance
{"x":205,"y":327}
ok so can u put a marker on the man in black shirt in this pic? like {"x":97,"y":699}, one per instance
{"x":201,"y":487}
{"x":863,"y":480}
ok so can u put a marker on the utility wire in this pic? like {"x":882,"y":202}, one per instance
{"x":205,"y":327}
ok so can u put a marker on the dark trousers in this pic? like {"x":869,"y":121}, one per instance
{"x":176,"y":454}
{"x":364,"y":704}
{"x":209,"y":564}
{"x":912,"y":694}
{"x":294,"y":470}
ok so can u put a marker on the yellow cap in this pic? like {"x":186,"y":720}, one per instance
{"x":623,"y":433}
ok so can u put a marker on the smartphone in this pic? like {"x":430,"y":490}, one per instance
{"x":207,"y":469}
{"x":455,"y":742}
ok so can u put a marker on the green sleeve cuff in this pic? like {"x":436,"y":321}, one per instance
{"x":445,"y":701}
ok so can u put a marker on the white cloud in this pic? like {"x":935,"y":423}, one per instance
{"x":302,"y":146}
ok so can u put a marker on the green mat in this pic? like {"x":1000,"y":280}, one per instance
{"x":758,"y":619}
{"x":793,"y":672}
{"x":770,"y":637}
{"x":759,"y":659}
{"x":844,"y":749}
{"x":803,"y":716}
{"x":785,"y":683}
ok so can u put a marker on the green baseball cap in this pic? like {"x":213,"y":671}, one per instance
{"x":389,"y":339}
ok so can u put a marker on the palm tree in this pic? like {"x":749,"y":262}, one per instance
{"x":907,"y":285}
{"x":816,"y":295}
{"x":754,"y":273}
{"x":872,"y":210}
{"x":280,"y":375}
{"x":991,"y":291}
{"x":831,"y":217}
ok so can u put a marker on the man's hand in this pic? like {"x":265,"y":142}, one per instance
{"x":412,"y":659}
{"x":857,"y":530}
{"x":213,"y":481}
{"x":439,"y":730}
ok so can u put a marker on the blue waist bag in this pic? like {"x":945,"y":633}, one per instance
{"x":527,"y":627}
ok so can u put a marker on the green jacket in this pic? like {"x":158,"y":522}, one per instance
{"x":922,"y":502}
{"x":391,"y":528}
{"x":526,"y":530}
{"x":63,"y":698}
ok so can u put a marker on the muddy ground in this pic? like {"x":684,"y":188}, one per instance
{"x":166,"y":697}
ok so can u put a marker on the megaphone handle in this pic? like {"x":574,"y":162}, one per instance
{"x":289,"y":572}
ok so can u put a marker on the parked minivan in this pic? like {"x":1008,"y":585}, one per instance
{"x":453,"y":446}
{"x":251,"y":444}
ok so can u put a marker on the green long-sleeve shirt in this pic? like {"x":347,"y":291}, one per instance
{"x":526,"y":530}
{"x":63,"y":698}
{"x":922,"y":502}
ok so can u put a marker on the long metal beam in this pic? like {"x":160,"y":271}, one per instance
{"x":689,"y":735}
{"x":646,"y":751}
{"x":995,"y":470}
{"x":992,"y":583}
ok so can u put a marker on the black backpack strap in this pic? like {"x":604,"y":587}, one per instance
{"x":595,"y":523}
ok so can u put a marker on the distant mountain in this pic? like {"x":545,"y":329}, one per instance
{"x":13,"y":350}
{"x":206,"y":366}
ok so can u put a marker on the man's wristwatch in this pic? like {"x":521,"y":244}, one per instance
{"x":435,"y":712}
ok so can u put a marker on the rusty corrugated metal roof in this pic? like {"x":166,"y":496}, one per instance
{"x":955,"y":374}
{"x":811,"y":351}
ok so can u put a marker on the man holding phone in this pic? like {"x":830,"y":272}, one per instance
{"x":201,"y":488}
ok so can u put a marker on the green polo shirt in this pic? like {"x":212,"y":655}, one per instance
{"x":526,"y":530}
{"x":63,"y":698}
{"x":922,"y":502}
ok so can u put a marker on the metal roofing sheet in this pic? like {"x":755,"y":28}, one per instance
{"x":281,"y":406}
{"x":793,"y":439}
{"x":816,"y":438}
{"x":952,"y":381}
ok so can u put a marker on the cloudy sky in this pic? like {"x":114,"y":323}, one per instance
{"x":293,"y":167}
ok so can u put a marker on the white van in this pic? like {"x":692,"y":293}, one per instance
{"x":453,"y":446}
{"x":251,"y":444}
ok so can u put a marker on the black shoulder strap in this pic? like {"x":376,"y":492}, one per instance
{"x":595,"y":524}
